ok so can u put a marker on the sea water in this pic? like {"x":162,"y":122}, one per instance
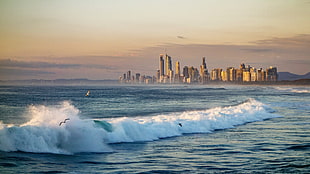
{"x":155,"y":129}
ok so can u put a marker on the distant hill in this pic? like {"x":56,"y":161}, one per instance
{"x":291,"y":77}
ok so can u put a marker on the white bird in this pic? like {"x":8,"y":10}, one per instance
{"x":87,"y":94}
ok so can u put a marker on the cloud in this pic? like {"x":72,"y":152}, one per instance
{"x":303,"y":62}
{"x":298,"y":40}
{"x":181,"y":37}
{"x":257,"y":50}
{"x":24,"y":69}
{"x":34,"y":64}
{"x":38,"y":65}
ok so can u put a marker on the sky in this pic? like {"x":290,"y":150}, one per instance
{"x":102,"y":39}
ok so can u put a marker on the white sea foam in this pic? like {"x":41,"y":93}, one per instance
{"x":294,"y":89}
{"x":42,"y":134}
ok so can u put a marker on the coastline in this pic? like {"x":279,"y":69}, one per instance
{"x":88,"y":82}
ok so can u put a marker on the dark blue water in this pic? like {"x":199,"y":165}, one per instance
{"x":225,"y":129}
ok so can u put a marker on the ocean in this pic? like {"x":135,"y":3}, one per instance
{"x":155,"y":129}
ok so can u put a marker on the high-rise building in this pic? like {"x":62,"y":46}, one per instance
{"x":239,"y":75}
{"x":128,"y":76}
{"x":177,"y":67}
{"x":138,"y":77}
{"x":246,"y":76}
{"x":242,"y":66}
{"x":239,"y":72}
{"x":204,"y":64}
{"x":185,"y":72}
{"x":161,"y":68}
{"x":161,"y":65}
{"x":201,"y":73}
{"x":193,"y":74}
{"x":224,"y":76}
{"x":142,"y":78}
{"x":168,"y":64}
{"x":124,"y":77}
{"x":253,"y":74}
{"x":177,"y":78}
{"x":204,"y":74}
{"x":216,"y":74}
{"x":231,"y":74}
{"x":158,"y":76}
{"x":171,"y":76}
{"x":271,"y":74}
{"x":261,"y":75}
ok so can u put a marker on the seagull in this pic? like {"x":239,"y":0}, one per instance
{"x":64,"y":121}
{"x":87,"y":94}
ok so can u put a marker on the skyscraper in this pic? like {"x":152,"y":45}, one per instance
{"x":231,"y":74}
{"x":177,"y":67}
{"x":177,"y":72}
{"x":158,"y":76}
{"x":204,"y":63}
{"x":253,"y":72}
{"x":185,"y":72}
{"x":216,"y":74}
{"x":128,"y":76}
{"x":271,"y":74}
{"x":242,"y":66}
{"x":204,"y":74}
{"x":138,"y":77}
{"x":224,"y":75}
{"x":246,"y":76}
{"x":161,"y":68}
{"x":168,"y":65}
{"x":261,"y":75}
{"x":161,"y":65}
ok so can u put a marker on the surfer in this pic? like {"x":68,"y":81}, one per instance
{"x":64,"y":121}
{"x":180,"y":124}
{"x":87,"y":94}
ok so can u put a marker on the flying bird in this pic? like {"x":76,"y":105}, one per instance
{"x":64,"y":121}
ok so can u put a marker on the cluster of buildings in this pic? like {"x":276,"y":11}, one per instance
{"x":190,"y":74}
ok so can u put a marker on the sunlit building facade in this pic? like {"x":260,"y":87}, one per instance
{"x":216,"y":74}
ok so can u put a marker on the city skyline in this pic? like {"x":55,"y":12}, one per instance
{"x":96,"y":39}
{"x":165,"y":74}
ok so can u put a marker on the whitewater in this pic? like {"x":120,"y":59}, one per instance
{"x":42,"y":134}
{"x":154,"y":129}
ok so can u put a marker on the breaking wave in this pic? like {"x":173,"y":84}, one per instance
{"x":44,"y":133}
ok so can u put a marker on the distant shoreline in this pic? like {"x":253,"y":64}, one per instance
{"x":87,"y":82}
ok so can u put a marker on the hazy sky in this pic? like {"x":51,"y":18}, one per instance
{"x":102,"y":39}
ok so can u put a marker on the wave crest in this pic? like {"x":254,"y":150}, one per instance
{"x":42,"y":134}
